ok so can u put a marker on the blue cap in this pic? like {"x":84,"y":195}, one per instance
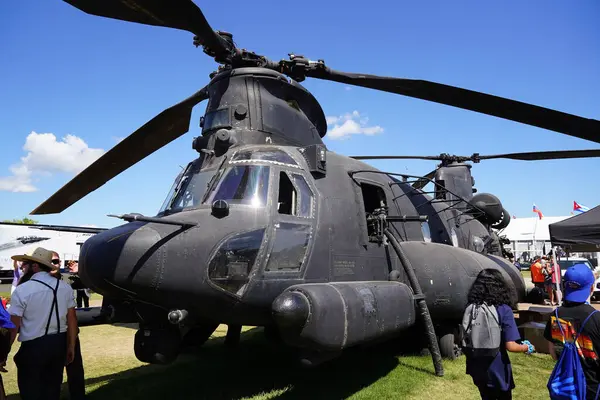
{"x":578,"y":281}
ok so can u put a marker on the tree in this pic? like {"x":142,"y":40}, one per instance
{"x":22,"y":221}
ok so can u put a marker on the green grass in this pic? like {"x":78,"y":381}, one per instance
{"x":258,"y":370}
{"x":526,"y":275}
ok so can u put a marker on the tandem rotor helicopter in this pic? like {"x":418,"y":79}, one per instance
{"x":269,"y":228}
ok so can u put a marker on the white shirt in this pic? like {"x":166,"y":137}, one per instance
{"x":32,"y":301}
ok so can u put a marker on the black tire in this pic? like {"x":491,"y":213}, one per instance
{"x":156,"y":346}
{"x":448,"y":347}
{"x":198,"y":335}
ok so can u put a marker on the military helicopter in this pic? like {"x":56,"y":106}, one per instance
{"x":267,"y":227}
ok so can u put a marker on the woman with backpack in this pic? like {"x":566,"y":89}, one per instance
{"x":490,"y":307}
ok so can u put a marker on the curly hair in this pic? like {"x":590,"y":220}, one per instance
{"x":490,"y":287}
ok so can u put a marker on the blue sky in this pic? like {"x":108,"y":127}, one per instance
{"x":67,"y":73}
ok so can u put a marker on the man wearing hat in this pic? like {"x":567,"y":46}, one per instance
{"x":43,"y":311}
{"x":578,"y":287}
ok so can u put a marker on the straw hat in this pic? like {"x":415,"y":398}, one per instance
{"x":39,"y":255}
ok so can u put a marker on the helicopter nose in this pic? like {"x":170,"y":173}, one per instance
{"x":100,"y":255}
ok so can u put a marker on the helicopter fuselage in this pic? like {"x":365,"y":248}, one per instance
{"x":277,"y":227}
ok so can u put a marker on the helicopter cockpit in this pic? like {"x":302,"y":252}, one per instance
{"x":243,"y":181}
{"x":272,"y":213}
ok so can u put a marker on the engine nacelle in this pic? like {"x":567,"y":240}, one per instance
{"x":338,"y":315}
{"x":494,"y":213}
{"x":446,"y":274}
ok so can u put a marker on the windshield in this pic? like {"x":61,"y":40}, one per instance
{"x":188,"y":190}
{"x":242,"y":184}
{"x":566,"y":264}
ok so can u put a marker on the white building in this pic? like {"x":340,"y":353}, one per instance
{"x":528,"y":236}
{"x":531,"y":236}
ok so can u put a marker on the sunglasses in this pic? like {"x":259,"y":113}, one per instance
{"x":56,"y":261}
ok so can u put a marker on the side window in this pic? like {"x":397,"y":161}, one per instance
{"x":295,"y":196}
{"x":289,"y":247}
{"x":286,"y":203}
{"x":373,"y":198}
{"x":306,"y":197}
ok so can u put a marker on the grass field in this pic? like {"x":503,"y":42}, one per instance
{"x":259,"y":371}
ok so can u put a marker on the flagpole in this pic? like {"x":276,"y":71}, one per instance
{"x":557,"y":274}
{"x":534,"y":230}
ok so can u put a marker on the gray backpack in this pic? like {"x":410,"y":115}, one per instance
{"x":481,"y":331}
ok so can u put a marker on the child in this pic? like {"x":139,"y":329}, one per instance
{"x":578,"y":285}
{"x":493,"y":377}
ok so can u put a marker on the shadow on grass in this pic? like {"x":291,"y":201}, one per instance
{"x":256,"y":367}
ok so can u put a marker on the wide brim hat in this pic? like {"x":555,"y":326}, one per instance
{"x":38,"y":255}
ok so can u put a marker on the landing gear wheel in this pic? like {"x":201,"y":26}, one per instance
{"x":198,"y":335}
{"x":157,"y":346}
{"x":272,"y":334}
{"x":233,"y":336}
{"x":448,"y":347}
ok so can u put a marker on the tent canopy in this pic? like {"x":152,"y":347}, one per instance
{"x":579,"y":233}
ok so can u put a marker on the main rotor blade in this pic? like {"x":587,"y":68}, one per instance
{"x":178,"y":14}
{"x":545,"y":155}
{"x":513,"y":110}
{"x":156,"y":133}
{"x":395,"y":157}
{"x":526,"y":156}
{"x":421,"y":183}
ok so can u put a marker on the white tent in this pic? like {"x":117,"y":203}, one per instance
{"x":528,"y":236}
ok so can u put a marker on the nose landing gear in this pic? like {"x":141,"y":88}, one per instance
{"x":157,"y":345}
{"x":449,"y":342}
{"x":161,"y":344}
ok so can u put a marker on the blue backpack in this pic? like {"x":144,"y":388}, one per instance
{"x":567,"y":381}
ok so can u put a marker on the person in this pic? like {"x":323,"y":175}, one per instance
{"x":75,"y":371}
{"x":578,"y":287}
{"x":83,"y":298}
{"x":6,"y":328}
{"x":43,"y":312}
{"x":494,"y":378}
{"x":537,"y":277}
{"x":549,"y":281}
{"x":16,"y":276}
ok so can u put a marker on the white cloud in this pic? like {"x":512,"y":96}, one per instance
{"x":46,"y":155}
{"x":350,"y":124}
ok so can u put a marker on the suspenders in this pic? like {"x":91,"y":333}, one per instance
{"x":53,"y":307}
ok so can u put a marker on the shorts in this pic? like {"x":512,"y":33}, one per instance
{"x":550,"y":285}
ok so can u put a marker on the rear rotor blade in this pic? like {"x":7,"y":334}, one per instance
{"x":156,"y":133}
{"x":395,"y":157}
{"x":545,"y":155}
{"x":178,"y":14}
{"x":513,"y":110}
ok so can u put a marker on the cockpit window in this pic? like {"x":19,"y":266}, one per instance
{"x":273,"y":155}
{"x":305,"y":198}
{"x":169,"y":197}
{"x":216,"y":119}
{"x":189,"y":190}
{"x":242,"y":184}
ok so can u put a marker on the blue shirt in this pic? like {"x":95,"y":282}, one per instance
{"x":498,"y":374}
{"x":5,"y":321}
